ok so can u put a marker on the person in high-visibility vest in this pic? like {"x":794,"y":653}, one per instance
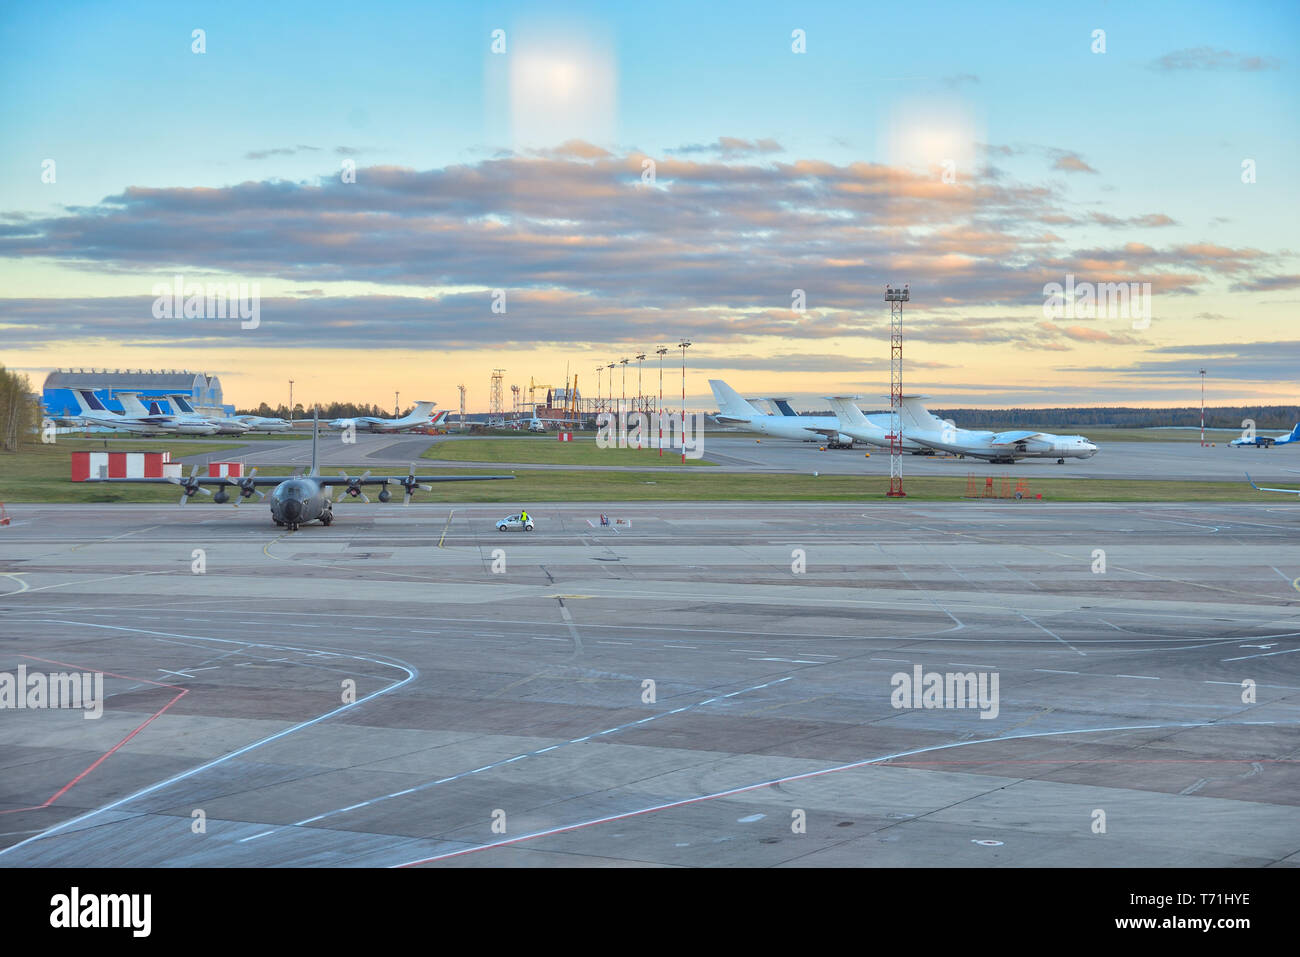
{"x":523,"y":516}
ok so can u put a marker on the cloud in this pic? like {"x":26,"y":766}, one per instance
{"x":587,"y":251}
{"x":730,"y":146}
{"x":1148,"y":221}
{"x":281,"y":151}
{"x":1070,"y":162}
{"x":1208,"y":58}
{"x":1266,"y":284}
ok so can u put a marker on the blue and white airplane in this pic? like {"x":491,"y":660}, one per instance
{"x":1267,"y":441}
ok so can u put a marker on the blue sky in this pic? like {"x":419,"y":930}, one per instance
{"x":1158,"y":125}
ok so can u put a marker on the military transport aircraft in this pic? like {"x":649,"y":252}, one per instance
{"x":304,"y":498}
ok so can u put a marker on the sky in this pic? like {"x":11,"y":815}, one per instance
{"x":418,"y":193}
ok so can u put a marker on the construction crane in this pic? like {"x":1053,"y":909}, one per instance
{"x":532,"y":388}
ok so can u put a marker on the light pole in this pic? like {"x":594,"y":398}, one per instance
{"x":1202,"y":408}
{"x":684,"y":345}
{"x":622,"y":405}
{"x":659,"y":410}
{"x":640,"y":396}
{"x":599,"y":392}
{"x":290,"y":400}
{"x":610,"y":367}
{"x":397,"y":405}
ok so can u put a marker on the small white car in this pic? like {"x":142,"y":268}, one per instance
{"x":515,"y":521}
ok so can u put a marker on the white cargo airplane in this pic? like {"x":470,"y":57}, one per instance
{"x":180,"y":424}
{"x":94,"y":413}
{"x":874,"y":429}
{"x":735,"y":410}
{"x":261,"y":423}
{"x":920,"y":426}
{"x":421,"y":417}
{"x":225,"y":426}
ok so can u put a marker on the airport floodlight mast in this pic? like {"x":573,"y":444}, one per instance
{"x":600,"y":393}
{"x":640,"y":396}
{"x":896,"y":298}
{"x":462,"y":407}
{"x":397,"y":405}
{"x":684,"y":345}
{"x":495,"y":399}
{"x":662,"y":351}
{"x":610,"y":367}
{"x":1202,"y":408}
{"x":622,"y":403}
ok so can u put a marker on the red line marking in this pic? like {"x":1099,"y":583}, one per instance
{"x":103,"y":757}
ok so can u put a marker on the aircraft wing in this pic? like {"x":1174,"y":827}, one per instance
{"x":829,"y":433}
{"x":1288,"y":491}
{"x":204,"y":480}
{"x":1011,"y":438}
{"x":403,"y":479}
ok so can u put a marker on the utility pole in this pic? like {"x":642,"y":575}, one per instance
{"x":684,"y":345}
{"x":659,"y":410}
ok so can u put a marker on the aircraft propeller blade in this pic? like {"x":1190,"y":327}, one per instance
{"x":354,"y":487}
{"x":410,"y":484}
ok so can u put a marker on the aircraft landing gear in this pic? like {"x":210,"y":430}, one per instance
{"x":326,"y":518}
{"x":1060,"y":461}
{"x":280,"y":523}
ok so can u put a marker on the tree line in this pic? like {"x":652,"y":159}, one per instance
{"x":20,"y":411}
{"x":328,"y":410}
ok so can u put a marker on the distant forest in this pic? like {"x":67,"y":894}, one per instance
{"x":1267,"y":417}
{"x":330,"y":410}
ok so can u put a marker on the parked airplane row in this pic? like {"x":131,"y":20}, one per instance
{"x":922,"y":433}
{"x":136,"y":418}
{"x":300,"y":499}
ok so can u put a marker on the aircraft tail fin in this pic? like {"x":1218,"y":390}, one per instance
{"x":1295,"y":433}
{"x":131,"y":404}
{"x":731,"y":405}
{"x":847,"y":411}
{"x":315,"y":441}
{"x":423,"y":408}
{"x":86,"y":400}
{"x":181,"y":403}
{"x":915,"y":415}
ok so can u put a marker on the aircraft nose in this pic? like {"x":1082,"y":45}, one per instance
{"x":292,"y":510}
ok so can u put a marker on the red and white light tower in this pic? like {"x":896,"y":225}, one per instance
{"x":896,"y":298}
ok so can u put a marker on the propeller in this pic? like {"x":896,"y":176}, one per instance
{"x":247,"y":488}
{"x":188,"y":485}
{"x":410,"y":484}
{"x":354,"y":487}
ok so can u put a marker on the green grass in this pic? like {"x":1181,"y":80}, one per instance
{"x":541,"y":451}
{"x":41,"y":474}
